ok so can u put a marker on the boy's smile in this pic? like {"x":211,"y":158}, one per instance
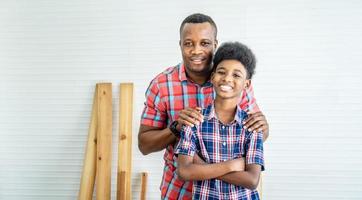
{"x":225,"y":88}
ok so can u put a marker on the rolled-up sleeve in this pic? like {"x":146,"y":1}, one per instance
{"x":187,"y":143}
{"x":254,"y":149}
{"x":154,"y":113}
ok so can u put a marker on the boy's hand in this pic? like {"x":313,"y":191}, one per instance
{"x":198,"y":160}
{"x":237,"y":164}
{"x":257,"y":122}
{"x":189,"y":117}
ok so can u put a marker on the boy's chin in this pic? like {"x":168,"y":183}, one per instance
{"x":227,"y":97}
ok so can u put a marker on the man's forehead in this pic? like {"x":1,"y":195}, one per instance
{"x":204,"y":28}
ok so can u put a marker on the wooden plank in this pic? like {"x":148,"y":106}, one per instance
{"x":104,"y":141}
{"x":144,"y":177}
{"x":125,"y":139}
{"x":89,"y":165}
{"x":121,"y":185}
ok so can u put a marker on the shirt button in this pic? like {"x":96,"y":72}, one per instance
{"x":224,"y":143}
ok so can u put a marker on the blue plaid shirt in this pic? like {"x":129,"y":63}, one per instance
{"x":217,"y":142}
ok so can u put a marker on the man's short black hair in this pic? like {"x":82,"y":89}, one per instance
{"x":236,"y":51}
{"x":197,"y":18}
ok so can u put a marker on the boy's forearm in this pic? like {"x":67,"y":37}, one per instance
{"x":248,"y":179}
{"x":203,"y":171}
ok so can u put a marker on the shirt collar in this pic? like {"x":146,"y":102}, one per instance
{"x":240,"y":114}
{"x":182,"y":72}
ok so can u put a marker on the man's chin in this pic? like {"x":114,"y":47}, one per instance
{"x":198,"y":68}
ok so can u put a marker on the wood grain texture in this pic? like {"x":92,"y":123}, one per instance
{"x":125,"y":140}
{"x":89,"y":166}
{"x":104,"y":139}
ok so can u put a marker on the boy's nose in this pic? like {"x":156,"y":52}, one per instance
{"x":228,"y":77}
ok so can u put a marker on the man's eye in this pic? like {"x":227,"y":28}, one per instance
{"x":188,"y":44}
{"x":205,"y":44}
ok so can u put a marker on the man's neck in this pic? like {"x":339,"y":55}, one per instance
{"x":225,"y":109}
{"x":198,"y":78}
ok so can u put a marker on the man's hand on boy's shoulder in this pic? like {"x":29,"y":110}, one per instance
{"x":257,"y":122}
{"x":190,"y":117}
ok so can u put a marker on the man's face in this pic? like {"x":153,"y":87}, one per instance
{"x":230,"y":79}
{"x":198,"y":44}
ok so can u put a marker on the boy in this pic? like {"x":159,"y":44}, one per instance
{"x":221,"y":139}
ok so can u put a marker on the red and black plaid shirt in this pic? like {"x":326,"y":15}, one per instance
{"x":168,"y":94}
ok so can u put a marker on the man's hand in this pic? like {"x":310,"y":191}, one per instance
{"x":189,"y":117}
{"x":257,"y":122}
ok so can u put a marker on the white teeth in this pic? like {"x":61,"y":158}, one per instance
{"x":225,"y":88}
{"x":196,"y":59}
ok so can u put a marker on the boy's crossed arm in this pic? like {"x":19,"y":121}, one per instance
{"x":248,"y":178}
{"x":188,"y":170}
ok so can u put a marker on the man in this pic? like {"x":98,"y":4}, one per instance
{"x":175,"y":98}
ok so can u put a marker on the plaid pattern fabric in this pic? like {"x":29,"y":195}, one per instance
{"x":168,"y":94}
{"x":216,"y":142}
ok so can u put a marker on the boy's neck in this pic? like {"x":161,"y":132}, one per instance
{"x":225,"y":109}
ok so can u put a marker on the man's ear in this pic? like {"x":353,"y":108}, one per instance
{"x":179,"y":43}
{"x":216,"y":43}
{"x":247,"y":83}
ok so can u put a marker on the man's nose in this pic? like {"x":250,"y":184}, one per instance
{"x":197,"y":49}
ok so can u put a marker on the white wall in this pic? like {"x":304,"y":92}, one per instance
{"x":307,"y":83}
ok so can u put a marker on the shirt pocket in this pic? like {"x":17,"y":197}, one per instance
{"x":239,"y":150}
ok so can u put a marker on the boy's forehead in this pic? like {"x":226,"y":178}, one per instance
{"x":231,"y":64}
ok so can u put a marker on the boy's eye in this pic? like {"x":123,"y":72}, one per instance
{"x":237,"y":76}
{"x":220,"y":72}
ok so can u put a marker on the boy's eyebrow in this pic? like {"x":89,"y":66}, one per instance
{"x":221,"y":67}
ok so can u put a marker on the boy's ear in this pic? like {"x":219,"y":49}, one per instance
{"x":212,"y":76}
{"x":247,"y":83}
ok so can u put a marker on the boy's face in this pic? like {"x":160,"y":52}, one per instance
{"x":230,"y":79}
{"x":198,"y":43}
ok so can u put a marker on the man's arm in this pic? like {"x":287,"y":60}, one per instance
{"x":256,"y":120}
{"x":189,"y":171}
{"x":153,"y":139}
